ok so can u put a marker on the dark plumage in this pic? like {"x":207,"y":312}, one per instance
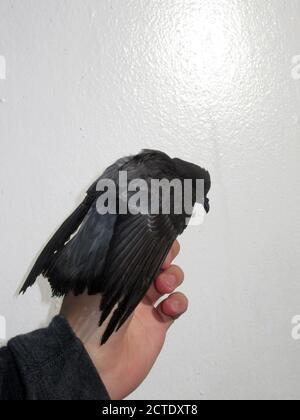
{"x":118,"y":256}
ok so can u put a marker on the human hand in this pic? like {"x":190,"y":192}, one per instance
{"x":126,"y":359}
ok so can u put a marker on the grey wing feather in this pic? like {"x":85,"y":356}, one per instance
{"x":78,"y":267}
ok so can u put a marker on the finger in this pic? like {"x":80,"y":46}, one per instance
{"x":171,"y":309}
{"x":166,"y":283}
{"x":172,"y":255}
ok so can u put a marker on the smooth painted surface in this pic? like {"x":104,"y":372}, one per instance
{"x":217,"y":82}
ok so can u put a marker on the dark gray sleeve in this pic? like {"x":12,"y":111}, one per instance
{"x":49,"y":364}
{"x":11,"y":387}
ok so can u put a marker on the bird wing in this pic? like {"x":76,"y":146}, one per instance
{"x":79,"y":265}
{"x":56,"y":243}
{"x":139,"y":246}
{"x":87,"y":227}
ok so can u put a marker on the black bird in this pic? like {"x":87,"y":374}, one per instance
{"x":117,"y":255}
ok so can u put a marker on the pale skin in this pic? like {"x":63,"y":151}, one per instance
{"x":127,"y":358}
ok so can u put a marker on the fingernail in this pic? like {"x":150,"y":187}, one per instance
{"x":170,"y":281}
{"x":175,"y":305}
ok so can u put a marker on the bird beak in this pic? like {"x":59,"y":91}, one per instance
{"x":206,"y":205}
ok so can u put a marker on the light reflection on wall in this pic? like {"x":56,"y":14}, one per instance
{"x":210,"y":46}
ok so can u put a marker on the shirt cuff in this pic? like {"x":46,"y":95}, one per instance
{"x":54,"y":365}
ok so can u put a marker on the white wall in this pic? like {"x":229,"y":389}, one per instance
{"x":211,"y":81}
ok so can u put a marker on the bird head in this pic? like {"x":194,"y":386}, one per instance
{"x":187,"y":170}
